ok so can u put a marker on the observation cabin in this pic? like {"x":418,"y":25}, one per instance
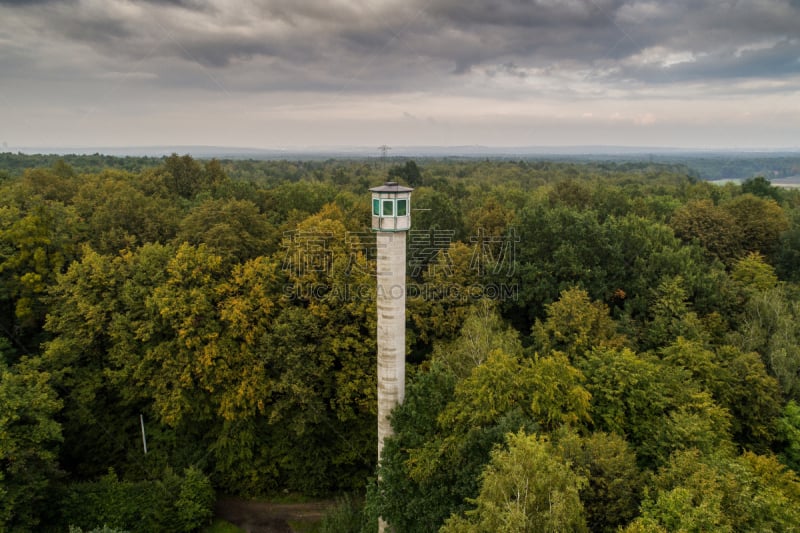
{"x":391,"y":207}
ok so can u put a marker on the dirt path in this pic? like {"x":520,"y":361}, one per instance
{"x":266,"y":517}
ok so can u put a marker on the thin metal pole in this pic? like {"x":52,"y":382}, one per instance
{"x":144,"y":437}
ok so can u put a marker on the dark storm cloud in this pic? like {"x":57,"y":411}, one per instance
{"x":353,"y":45}
{"x":602,"y":33}
{"x":100,"y":31}
{"x":23,"y":3}
{"x":778,"y":60}
{"x":191,"y":4}
{"x":533,"y":33}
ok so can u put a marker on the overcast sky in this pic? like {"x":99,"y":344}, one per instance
{"x":295,"y":73}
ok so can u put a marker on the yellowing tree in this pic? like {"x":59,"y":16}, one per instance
{"x":526,"y":488}
{"x":760,"y":222}
{"x":575,"y":325}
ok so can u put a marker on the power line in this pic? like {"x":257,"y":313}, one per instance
{"x":384,"y":150}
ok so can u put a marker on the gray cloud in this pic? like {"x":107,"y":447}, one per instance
{"x":349,"y":44}
{"x":776,"y":61}
{"x":532,"y":58}
{"x":22,"y":3}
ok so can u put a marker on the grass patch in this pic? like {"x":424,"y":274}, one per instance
{"x":221,"y":526}
{"x":288,"y":497}
{"x":347,"y":516}
{"x":304,"y":526}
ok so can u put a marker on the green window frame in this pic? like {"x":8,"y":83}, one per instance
{"x":376,"y":207}
{"x":388,"y":208}
{"x":402,"y":207}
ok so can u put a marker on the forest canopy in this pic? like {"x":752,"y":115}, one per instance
{"x":620,"y":340}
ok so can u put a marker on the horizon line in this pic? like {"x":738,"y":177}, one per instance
{"x":158,"y":150}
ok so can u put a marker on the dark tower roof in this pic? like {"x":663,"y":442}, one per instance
{"x":391,"y":186}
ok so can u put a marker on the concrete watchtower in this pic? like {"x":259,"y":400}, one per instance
{"x":391,"y":219}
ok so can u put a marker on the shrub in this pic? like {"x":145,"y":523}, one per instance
{"x":346,"y":517}
{"x":172,"y":503}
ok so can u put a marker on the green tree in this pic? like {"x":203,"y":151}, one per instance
{"x":548,"y":389}
{"x":789,"y":432}
{"x":572,"y":193}
{"x":760,"y":222}
{"x":293,"y":202}
{"x":484,"y":406}
{"x":178,"y":368}
{"x":233,"y":229}
{"x":449,"y":422}
{"x":195,"y":502}
{"x":29,"y":440}
{"x":489,"y":224}
{"x":738,"y":382}
{"x":57,"y":183}
{"x":752,"y":396}
{"x":563,"y":249}
{"x":671,"y":316}
{"x":713,"y":227}
{"x":575,"y":325}
{"x":297,"y":334}
{"x":439,"y":305}
{"x":642,"y":254}
{"x":617,"y":260}
{"x":119,"y":216}
{"x":422,"y":500}
{"x":408,"y":173}
{"x":527,"y":487}
{"x":760,"y":186}
{"x":753,"y":274}
{"x":787,"y":256}
{"x":481,"y":333}
{"x":95,"y":310}
{"x":717,"y":492}
{"x":768,"y":324}
{"x":36,"y":243}
{"x":215,"y":177}
{"x":184,"y":176}
{"x":658,"y":407}
{"x":170,"y":502}
{"x":436,"y":460}
{"x":435,"y":210}
{"x":611,"y":496}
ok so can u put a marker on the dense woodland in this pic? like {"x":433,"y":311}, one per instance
{"x":592,"y":347}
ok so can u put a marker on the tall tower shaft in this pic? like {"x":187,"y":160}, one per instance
{"x":391,"y":304}
{"x":391,"y":219}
